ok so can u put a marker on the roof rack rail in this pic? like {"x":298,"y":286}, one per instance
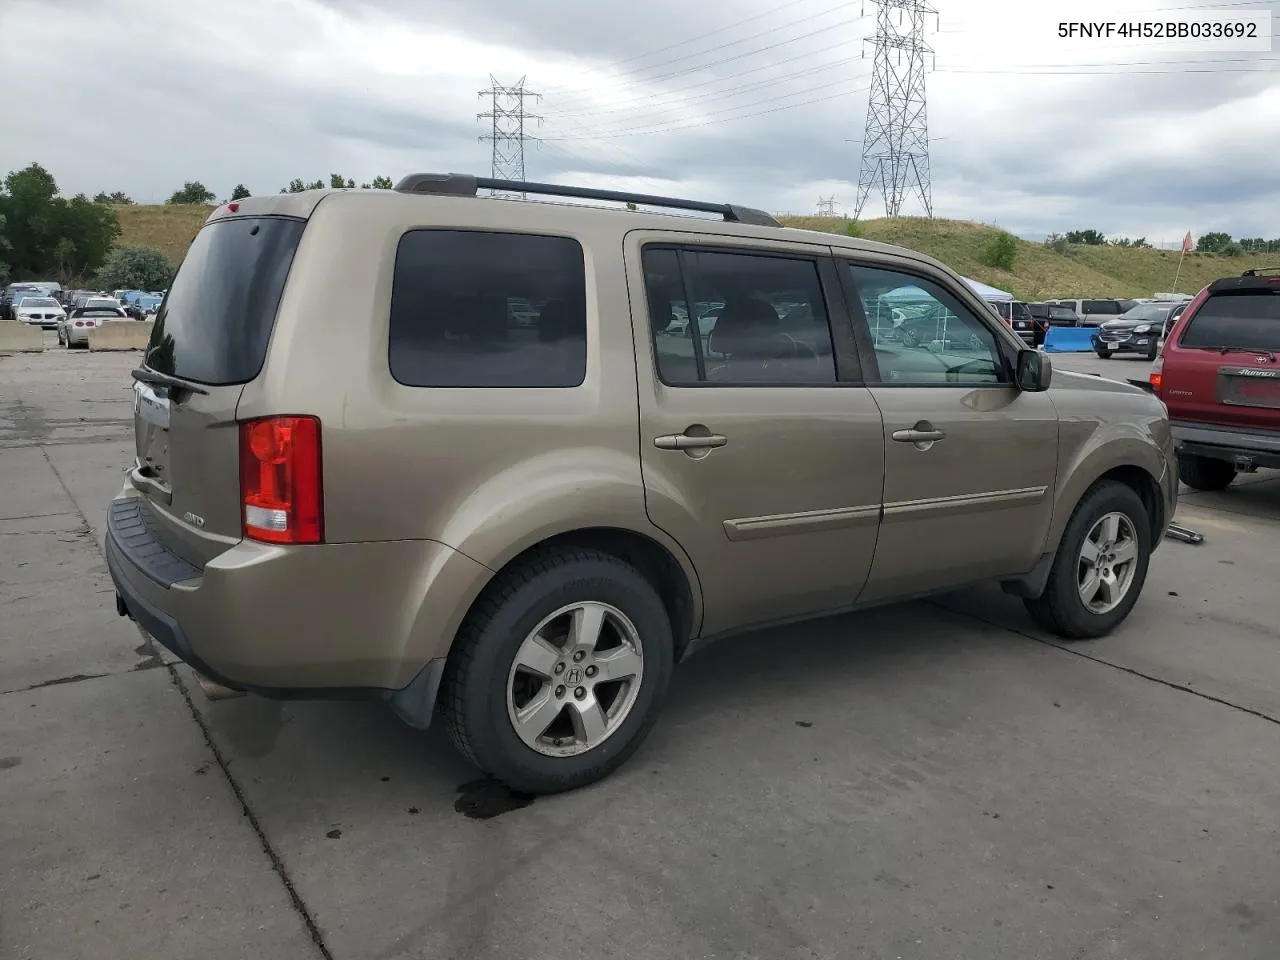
{"x":465,"y":185}
{"x":1261,"y":271}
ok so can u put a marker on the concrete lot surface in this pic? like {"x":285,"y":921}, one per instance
{"x":933,"y":780}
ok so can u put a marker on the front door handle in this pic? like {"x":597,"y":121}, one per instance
{"x":918,"y":436}
{"x":683,"y":441}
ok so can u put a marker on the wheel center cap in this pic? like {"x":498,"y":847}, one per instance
{"x":573,"y":676}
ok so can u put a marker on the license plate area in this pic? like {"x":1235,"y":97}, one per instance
{"x":1249,"y":387}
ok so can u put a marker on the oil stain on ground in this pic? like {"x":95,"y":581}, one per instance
{"x":487,"y":798}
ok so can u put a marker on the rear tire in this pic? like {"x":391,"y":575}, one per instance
{"x":1062,"y":609}
{"x":1205,"y":473}
{"x":486,"y":688}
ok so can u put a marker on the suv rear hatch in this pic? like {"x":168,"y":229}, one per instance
{"x":210,"y":339}
{"x":1222,"y":363}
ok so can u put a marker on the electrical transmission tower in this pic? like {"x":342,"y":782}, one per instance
{"x":895,"y":146}
{"x":508,"y":116}
{"x":827,"y":206}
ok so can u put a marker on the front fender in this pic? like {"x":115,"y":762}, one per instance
{"x":1090,"y":449}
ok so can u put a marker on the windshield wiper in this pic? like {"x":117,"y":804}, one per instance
{"x":143,"y":375}
{"x":1262,"y":353}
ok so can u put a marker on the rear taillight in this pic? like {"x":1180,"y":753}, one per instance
{"x":280,"y":482}
{"x":1156,"y":377}
{"x":79,"y":323}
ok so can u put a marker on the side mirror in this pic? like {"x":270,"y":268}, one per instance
{"x":1034,"y":371}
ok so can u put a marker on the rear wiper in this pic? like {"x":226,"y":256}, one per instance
{"x":143,"y":375}
{"x":1262,"y":353}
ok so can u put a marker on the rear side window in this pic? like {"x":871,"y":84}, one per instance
{"x":1239,"y":321}
{"x":474,"y":309}
{"x":216,"y":322}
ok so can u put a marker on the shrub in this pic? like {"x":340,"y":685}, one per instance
{"x":1000,"y":251}
{"x":853,"y":229}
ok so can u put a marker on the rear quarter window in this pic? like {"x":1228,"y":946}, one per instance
{"x":216,"y":321}
{"x":479,"y":309}
{"x":1237,"y":321}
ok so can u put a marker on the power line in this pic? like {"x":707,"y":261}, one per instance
{"x":715,"y":63}
{"x":507,"y":116}
{"x":642,"y":128}
{"x":745,"y":116}
{"x":712,"y":33}
{"x":895,"y":146}
{"x":711,"y":96}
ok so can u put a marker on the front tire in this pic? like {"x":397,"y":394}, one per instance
{"x":1103,"y":353}
{"x":1100,"y":567}
{"x":560,"y":670}
{"x":1205,"y":473}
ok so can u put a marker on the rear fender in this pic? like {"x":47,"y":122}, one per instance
{"x":533,"y":501}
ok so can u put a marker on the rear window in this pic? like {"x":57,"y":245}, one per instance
{"x":476,"y":309}
{"x":1101,"y":306}
{"x":215,"y":324}
{"x":1240,"y":321}
{"x":99,"y":312}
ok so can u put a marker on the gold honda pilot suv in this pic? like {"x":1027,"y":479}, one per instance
{"x":512,"y":459}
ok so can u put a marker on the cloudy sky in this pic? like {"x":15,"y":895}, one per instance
{"x":762,"y":102}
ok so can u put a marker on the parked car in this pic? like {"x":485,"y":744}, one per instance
{"x":12,"y":294}
{"x":43,"y":312}
{"x":1219,"y":376}
{"x":374,"y":482}
{"x":1135,"y":331}
{"x":73,"y":329}
{"x":1017,"y":314}
{"x":1061,"y":315}
{"x":1092,"y":313}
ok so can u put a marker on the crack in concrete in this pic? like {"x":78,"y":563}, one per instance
{"x":1071,"y":649}
{"x":277,"y":864}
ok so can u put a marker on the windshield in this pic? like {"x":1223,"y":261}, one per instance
{"x":1236,"y":321}
{"x":39,"y":302}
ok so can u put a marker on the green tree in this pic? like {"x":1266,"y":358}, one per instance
{"x":1212,"y":242}
{"x":1000,"y":251}
{"x":135,"y":268}
{"x":1090,"y":238}
{"x":193,"y":192}
{"x":1232,"y":250}
{"x":118,"y":197}
{"x":4,"y":253}
{"x":38,"y":221}
{"x":382,"y":183}
{"x":338,"y":182}
{"x":1121,"y":242}
{"x":240,"y":192}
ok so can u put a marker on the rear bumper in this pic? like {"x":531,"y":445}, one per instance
{"x":1260,"y":448}
{"x":335,"y":621}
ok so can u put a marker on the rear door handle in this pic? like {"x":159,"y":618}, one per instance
{"x":682,"y":441}
{"x":918,"y":436}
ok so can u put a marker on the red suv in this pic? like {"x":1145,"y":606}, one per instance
{"x":1219,"y":376}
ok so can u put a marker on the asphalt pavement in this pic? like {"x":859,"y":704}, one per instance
{"x":932,"y":780}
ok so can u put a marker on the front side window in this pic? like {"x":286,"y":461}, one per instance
{"x":476,"y":309}
{"x":922,"y":333}
{"x":737,"y":318}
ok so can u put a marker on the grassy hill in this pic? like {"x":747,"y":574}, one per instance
{"x":1038,"y":272}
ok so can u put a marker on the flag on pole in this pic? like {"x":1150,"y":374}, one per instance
{"x":1187,"y":245}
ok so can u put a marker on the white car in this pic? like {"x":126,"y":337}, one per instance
{"x":44,"y":312}
{"x":73,"y":331}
